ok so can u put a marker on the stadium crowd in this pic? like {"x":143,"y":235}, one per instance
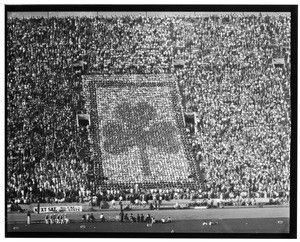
{"x":241,"y":99}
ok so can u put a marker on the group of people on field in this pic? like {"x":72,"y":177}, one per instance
{"x":59,"y":218}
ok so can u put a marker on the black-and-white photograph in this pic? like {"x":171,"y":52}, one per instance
{"x":126,"y":121}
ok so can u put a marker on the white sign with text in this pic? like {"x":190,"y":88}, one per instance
{"x":58,"y":209}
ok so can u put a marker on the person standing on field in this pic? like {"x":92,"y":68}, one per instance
{"x":28,"y":217}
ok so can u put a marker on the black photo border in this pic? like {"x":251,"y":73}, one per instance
{"x":293,"y":9}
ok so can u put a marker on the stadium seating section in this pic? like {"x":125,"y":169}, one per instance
{"x":226,"y":76}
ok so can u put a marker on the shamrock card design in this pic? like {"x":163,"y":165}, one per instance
{"x":137,"y":129}
{"x":134,"y":129}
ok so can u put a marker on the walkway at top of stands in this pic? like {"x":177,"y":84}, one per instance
{"x":47,"y":14}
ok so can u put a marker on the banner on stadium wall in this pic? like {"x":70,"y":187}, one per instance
{"x":58,"y":209}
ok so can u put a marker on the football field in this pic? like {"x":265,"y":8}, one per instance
{"x":259,"y":225}
{"x":229,"y":220}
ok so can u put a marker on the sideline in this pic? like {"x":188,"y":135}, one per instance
{"x":176,"y":215}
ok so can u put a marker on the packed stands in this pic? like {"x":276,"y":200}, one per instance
{"x":140,"y":124}
{"x":226,"y":76}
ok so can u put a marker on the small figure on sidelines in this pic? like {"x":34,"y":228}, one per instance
{"x":92,"y":218}
{"x":54,"y":218}
{"x":122,"y":216}
{"x":126,"y":219}
{"x":87,"y":218}
{"x":51,"y":219}
{"x":131,"y":218}
{"x":28,"y":217}
{"x":152,"y":220}
{"x":102,"y":219}
{"x":61,"y":219}
{"x":213,"y":222}
{"x":148,"y":219}
{"x":168,"y":220}
{"x":47,"y":219}
{"x":57,"y":218}
{"x":66,"y":219}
